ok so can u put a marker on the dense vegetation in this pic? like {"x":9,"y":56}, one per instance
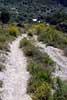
{"x":57,"y":18}
{"x":63,"y":2}
{"x":38,"y":66}
{"x":8,"y":31}
{"x":7,"y":34}
{"x":41,"y":67}
{"x":49,"y":35}
{"x":26,"y":10}
{"x":54,"y":38}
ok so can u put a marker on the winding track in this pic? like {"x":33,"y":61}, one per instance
{"x":15,"y":77}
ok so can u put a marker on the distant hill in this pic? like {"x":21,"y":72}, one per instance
{"x":33,"y":8}
{"x":63,"y":2}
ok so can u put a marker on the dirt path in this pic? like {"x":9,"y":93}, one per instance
{"x":15,"y":77}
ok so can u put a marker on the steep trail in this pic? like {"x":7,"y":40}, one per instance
{"x":16,"y":76}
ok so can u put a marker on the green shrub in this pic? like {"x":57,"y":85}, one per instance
{"x":65,"y":89}
{"x":2,"y":38}
{"x":32,"y":51}
{"x":33,"y":67}
{"x":14,"y":31}
{"x":3,"y":46}
{"x":28,"y":47}
{"x":39,"y":75}
{"x":5,"y":38}
{"x":54,"y":38}
{"x":24,"y":42}
{"x":3,"y":41}
{"x":59,"y":98}
{"x":29,"y":51}
{"x":36,"y":28}
{"x":39,"y":66}
{"x":42,"y":92}
{"x":61,"y":90}
{"x":39,"y":28}
{"x":38,"y":71}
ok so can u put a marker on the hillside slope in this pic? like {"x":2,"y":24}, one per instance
{"x":32,"y":8}
{"x":64,"y":2}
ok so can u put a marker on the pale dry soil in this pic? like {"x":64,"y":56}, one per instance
{"x":15,"y":77}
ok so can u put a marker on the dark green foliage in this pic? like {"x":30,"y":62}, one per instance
{"x":38,"y":79}
{"x":39,"y":71}
{"x":5,"y":16}
{"x":56,"y":18}
{"x":62,"y":27}
{"x":27,"y":9}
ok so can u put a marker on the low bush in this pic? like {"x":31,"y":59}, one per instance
{"x":37,"y":28}
{"x":3,"y":46}
{"x":39,"y":76}
{"x":31,"y":50}
{"x":28,"y":47}
{"x":14,"y":31}
{"x":2,"y":38}
{"x":65,"y":89}
{"x":39,"y":71}
{"x":5,"y":38}
{"x":61,"y":90}
{"x":52,"y":37}
{"x":42,"y":92}
{"x":24,"y":42}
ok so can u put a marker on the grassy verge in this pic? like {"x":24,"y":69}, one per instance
{"x":55,"y":38}
{"x":7,"y":35}
{"x":40,"y":67}
{"x":49,"y":35}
